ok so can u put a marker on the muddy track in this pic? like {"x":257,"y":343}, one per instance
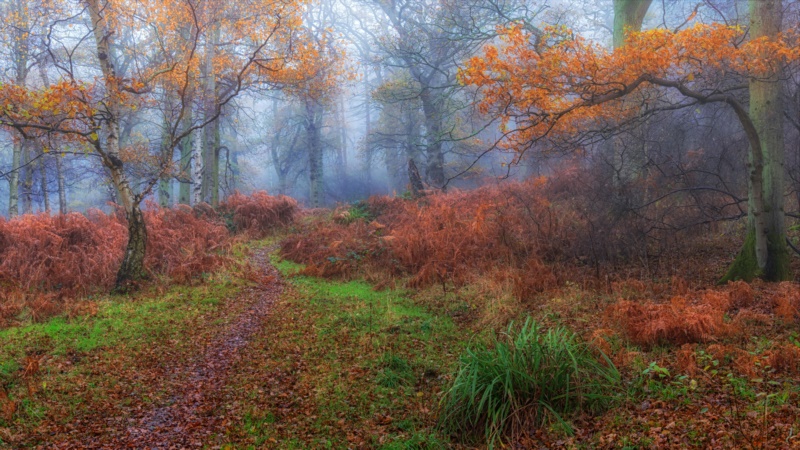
{"x":188,"y":420}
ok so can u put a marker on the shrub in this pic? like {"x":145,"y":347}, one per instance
{"x":73,"y":254}
{"x":258,"y":214}
{"x":676,"y":322}
{"x":183,"y":243}
{"x":527,"y":377}
{"x":45,"y":260}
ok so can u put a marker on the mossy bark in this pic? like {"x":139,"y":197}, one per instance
{"x":745,"y":266}
{"x":764,"y":254}
{"x":628,"y":15}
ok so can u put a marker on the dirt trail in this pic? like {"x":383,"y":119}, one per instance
{"x":188,"y":420}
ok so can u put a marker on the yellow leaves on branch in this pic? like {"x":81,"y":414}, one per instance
{"x":562,"y":83}
{"x":168,"y":45}
{"x":62,"y":107}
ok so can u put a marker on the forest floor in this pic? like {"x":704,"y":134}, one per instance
{"x":258,"y":356}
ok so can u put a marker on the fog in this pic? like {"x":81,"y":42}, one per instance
{"x":363,"y":89}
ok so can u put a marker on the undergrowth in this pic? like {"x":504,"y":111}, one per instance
{"x":362,"y":369}
{"x":527,"y":378}
{"x":48,"y":262}
{"x":106,"y":360}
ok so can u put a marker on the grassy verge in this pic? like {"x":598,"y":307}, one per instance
{"x":106,"y":359}
{"x":343,"y":366}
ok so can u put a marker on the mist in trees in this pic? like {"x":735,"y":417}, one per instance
{"x":331,"y":101}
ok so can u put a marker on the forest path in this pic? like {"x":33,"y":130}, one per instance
{"x":189,"y":418}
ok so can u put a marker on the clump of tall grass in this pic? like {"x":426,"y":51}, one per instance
{"x":527,"y":377}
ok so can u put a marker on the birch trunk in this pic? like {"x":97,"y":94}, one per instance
{"x":132,"y":268}
{"x":197,"y":168}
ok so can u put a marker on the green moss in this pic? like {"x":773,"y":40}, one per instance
{"x":745,"y":266}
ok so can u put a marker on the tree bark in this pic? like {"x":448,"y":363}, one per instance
{"x":13,"y":183}
{"x":45,"y":193}
{"x":367,"y":156}
{"x":210,"y":150}
{"x":197,"y":168}
{"x":27,"y":178}
{"x":628,"y":16}
{"x":628,"y":160}
{"x":132,"y":268}
{"x":20,"y":54}
{"x":432,"y":109}
{"x":62,"y":191}
{"x":164,"y":184}
{"x":215,"y":153}
{"x":185,"y":165}
{"x":764,"y":254}
{"x":313,"y":121}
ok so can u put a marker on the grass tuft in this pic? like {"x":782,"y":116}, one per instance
{"x":527,"y":377}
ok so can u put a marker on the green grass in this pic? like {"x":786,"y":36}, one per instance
{"x":74,"y":350}
{"x":528,"y":377}
{"x":373,"y":367}
{"x":118,"y":320}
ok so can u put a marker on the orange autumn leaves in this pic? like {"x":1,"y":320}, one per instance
{"x":56,"y":107}
{"x":561,"y":84}
{"x":165,"y":49}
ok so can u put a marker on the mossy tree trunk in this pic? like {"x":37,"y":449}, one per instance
{"x":628,"y":16}
{"x":629,"y":159}
{"x":764,"y":254}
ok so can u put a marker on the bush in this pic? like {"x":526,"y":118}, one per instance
{"x":45,"y":260}
{"x":183,"y":243}
{"x":73,"y":254}
{"x":259,"y":213}
{"x":528,"y":377}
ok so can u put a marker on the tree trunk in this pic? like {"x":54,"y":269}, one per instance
{"x":628,"y":16}
{"x":764,"y":253}
{"x":215,"y":151}
{"x":13,"y":183}
{"x":342,"y":153}
{"x":414,"y":178}
{"x":210,"y":150}
{"x":20,"y":49}
{"x":164,"y":184}
{"x":314,"y":141}
{"x":185,"y":165}
{"x":273,"y":148}
{"x":132,"y":268}
{"x":432,"y":109}
{"x":45,"y":194}
{"x":628,"y":160}
{"x":62,"y":191}
{"x":367,"y":133}
{"x":197,"y":168}
{"x":27,"y":179}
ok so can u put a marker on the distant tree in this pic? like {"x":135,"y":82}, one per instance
{"x":430,"y":39}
